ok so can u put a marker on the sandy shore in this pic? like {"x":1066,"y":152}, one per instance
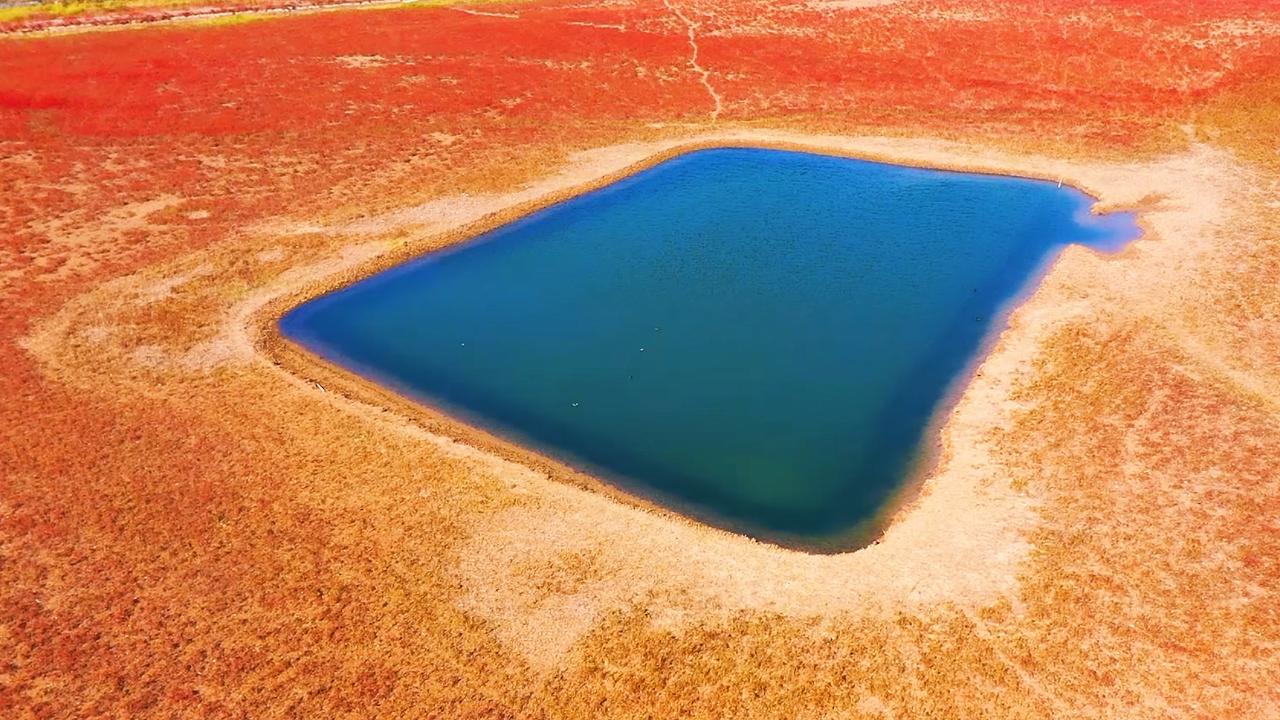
{"x":962,"y":542}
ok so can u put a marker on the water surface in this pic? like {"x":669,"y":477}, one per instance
{"x":757,"y":338}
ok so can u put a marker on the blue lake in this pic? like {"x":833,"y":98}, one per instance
{"x":755,"y":338}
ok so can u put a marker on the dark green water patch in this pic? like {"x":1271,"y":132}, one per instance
{"x":756,"y":338}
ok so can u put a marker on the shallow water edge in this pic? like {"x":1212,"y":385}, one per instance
{"x":303,"y":363}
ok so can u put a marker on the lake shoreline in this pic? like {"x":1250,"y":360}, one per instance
{"x":298,"y":360}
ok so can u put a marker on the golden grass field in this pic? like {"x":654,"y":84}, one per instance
{"x":196,"y":523}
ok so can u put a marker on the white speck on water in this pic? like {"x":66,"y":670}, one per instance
{"x":575,"y":404}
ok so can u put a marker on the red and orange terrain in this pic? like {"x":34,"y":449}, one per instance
{"x":189,"y":529}
{"x":34,"y":16}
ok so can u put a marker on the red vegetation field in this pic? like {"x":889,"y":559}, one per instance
{"x":209,"y":542}
{"x":300,"y":113}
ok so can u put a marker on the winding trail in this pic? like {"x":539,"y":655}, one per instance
{"x":704,"y":75}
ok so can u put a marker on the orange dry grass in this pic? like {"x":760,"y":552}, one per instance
{"x":184,"y":530}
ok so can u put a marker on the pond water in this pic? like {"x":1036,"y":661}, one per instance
{"x":755,"y":338}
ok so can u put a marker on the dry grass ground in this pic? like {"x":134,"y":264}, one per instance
{"x":188,"y":528}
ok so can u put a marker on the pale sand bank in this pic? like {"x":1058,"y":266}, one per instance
{"x":545,"y":568}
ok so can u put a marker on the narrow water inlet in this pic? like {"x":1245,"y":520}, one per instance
{"x":755,"y":338}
